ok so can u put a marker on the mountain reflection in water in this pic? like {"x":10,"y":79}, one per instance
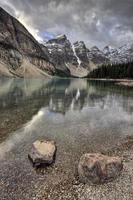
{"x":62,"y":95}
{"x":64,"y":108}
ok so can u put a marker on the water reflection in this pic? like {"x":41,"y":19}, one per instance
{"x":61,"y":95}
{"x":74,"y":107}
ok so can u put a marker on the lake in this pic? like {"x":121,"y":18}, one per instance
{"x":80,"y":115}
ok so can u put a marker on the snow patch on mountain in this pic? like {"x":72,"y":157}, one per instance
{"x":122,"y":54}
{"x":75,"y":54}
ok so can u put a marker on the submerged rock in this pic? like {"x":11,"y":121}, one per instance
{"x":42,"y":152}
{"x":97,"y":168}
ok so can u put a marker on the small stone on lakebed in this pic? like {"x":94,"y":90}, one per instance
{"x":97,"y":168}
{"x":42,"y":152}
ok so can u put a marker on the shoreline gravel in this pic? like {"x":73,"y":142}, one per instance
{"x":71,"y":189}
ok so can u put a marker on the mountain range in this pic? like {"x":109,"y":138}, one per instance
{"x":22,"y":56}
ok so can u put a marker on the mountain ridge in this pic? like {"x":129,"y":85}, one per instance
{"x":23,"y":56}
{"x":79,"y":56}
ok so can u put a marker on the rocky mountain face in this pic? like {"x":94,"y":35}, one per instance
{"x":21,"y":55}
{"x":122,"y":54}
{"x":97,"y":56}
{"x":19,"y":52}
{"x":78,"y":60}
{"x":69,"y":59}
{"x":74,"y":59}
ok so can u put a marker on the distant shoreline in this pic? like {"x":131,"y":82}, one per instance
{"x":112,"y":80}
{"x":121,"y":82}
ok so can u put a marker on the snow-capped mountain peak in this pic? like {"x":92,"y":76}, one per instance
{"x":122,"y":54}
{"x":75,"y":56}
{"x":109,"y":50}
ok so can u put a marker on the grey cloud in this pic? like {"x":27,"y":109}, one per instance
{"x":97,"y":22}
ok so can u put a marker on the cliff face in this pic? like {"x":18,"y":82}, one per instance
{"x":68,"y":58}
{"x":74,"y":59}
{"x":18,"y":45}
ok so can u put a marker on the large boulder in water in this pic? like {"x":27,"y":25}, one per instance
{"x":97,"y":168}
{"x":42,"y":152}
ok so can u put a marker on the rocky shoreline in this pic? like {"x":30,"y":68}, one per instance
{"x":71,"y":188}
{"x":60,"y":182}
{"x":112,"y":80}
{"x":126,"y":84}
{"x":120,"y":82}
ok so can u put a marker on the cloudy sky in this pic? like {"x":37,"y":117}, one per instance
{"x":97,"y":22}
